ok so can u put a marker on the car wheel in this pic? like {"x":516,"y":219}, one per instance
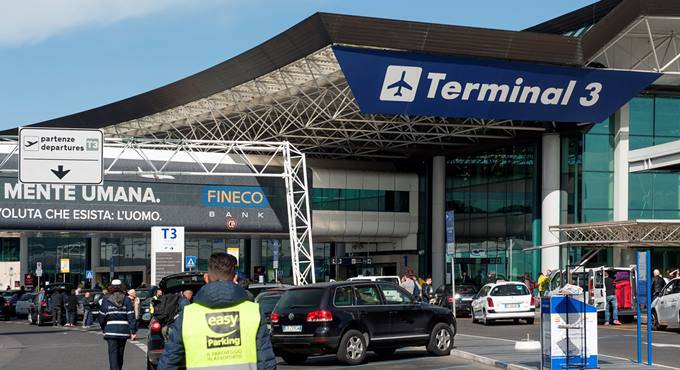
{"x":515,"y":321}
{"x":485,"y":321}
{"x":352,"y":350}
{"x":530,"y":321}
{"x":441,"y":340}
{"x":385,"y":352}
{"x":294,"y":358}
{"x":655,"y":322}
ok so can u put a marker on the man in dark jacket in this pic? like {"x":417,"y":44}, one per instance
{"x":658,"y":283}
{"x":57,"y":305}
{"x":219,"y":298}
{"x":117,"y":320}
{"x":71,"y":303}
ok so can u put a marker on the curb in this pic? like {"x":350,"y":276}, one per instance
{"x":488,"y":361}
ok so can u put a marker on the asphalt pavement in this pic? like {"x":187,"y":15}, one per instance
{"x":29,"y":347}
{"x":404,"y":359}
{"x":614,"y":341}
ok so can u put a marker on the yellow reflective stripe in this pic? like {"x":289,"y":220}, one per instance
{"x":220,"y":336}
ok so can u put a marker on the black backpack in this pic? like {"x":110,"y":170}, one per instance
{"x":166,"y":309}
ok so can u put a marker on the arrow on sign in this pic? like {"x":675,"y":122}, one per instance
{"x":60,"y":172}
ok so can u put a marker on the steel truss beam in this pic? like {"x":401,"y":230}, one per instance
{"x":207,"y":158}
{"x":649,"y":44}
{"x":310,"y":104}
{"x":640,"y":233}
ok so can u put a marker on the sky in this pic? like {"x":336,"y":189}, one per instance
{"x":59,"y":57}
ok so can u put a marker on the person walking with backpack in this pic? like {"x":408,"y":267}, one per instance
{"x":117,"y":320}
{"x":220,"y":306}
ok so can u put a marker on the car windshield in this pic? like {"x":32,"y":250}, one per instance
{"x":177,"y":284}
{"x":509,"y":290}
{"x":466,"y":289}
{"x":268,"y":303}
{"x":143,"y":294}
{"x":301,"y":298}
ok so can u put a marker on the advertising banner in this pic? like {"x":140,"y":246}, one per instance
{"x":64,"y":265}
{"x":138,"y":204}
{"x":450,"y":233}
{"x":393,"y":82}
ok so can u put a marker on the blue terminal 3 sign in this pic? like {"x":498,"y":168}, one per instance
{"x":234,"y":197}
{"x":392,"y":82}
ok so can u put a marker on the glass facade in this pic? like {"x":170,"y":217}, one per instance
{"x":136,"y":251}
{"x":9,"y":249}
{"x":588,"y":174}
{"x":654,"y":194}
{"x":322,"y":259}
{"x":330,"y":199}
{"x":49,"y":250}
{"x":493,"y":196}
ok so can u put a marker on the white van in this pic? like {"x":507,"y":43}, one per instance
{"x":592,"y":281}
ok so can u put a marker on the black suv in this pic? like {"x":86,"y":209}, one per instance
{"x":350,"y":318}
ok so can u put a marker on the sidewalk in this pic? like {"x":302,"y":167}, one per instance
{"x":501,"y":353}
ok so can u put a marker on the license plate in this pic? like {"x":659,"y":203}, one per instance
{"x":512,"y":305}
{"x":292,"y":328}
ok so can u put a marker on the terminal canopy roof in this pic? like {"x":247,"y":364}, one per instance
{"x":292,"y":88}
{"x":633,"y":233}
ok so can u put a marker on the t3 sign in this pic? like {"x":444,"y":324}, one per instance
{"x":392,"y":82}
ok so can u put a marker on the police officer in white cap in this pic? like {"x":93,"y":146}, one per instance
{"x":117,"y":319}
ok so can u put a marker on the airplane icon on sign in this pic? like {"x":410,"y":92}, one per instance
{"x":30,"y":143}
{"x":401,"y":84}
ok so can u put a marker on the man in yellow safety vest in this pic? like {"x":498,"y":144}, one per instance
{"x":221,"y":329}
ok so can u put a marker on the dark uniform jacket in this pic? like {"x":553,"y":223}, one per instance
{"x":117,"y":317}
{"x":219,"y":294}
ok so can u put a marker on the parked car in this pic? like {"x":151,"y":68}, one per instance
{"x":463,"y":297}
{"x":257,"y":288}
{"x":389,"y":279}
{"x":5,"y":308}
{"x":23,"y":306}
{"x":144,"y":295}
{"x":268,"y":300}
{"x":171,"y":284}
{"x":12,"y":296}
{"x":350,"y":318}
{"x":503,"y":300}
{"x":666,"y":308}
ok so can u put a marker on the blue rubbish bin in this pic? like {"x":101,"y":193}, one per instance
{"x":568,"y":333}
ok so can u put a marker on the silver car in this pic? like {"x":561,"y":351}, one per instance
{"x":23,"y":307}
{"x":666,"y":308}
